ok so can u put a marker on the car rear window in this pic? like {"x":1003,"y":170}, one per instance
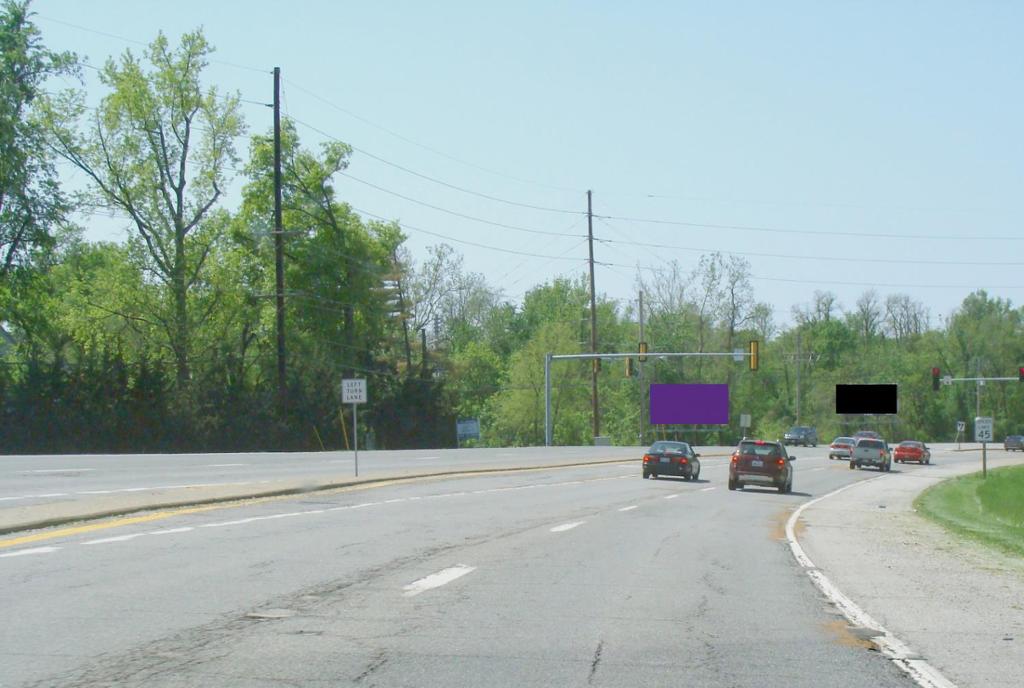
{"x":758,"y":449}
{"x":915,"y":445}
{"x":871,"y":444}
{"x":681,"y":447}
{"x":843,"y":440}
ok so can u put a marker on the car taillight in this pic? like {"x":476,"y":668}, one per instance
{"x":682,"y":460}
{"x":881,"y":454}
{"x":781,"y":462}
{"x":647,"y":457}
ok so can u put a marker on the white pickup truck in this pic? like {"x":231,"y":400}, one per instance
{"x":871,"y":452}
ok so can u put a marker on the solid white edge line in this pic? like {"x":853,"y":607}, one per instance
{"x":923,"y":673}
{"x":118,"y":538}
{"x":566,"y":526}
{"x":34,"y":550}
{"x":436,"y":580}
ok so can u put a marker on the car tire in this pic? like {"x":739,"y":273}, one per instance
{"x":732,"y":484}
{"x":927,"y":461}
{"x":852,"y":465}
{"x":646,"y":475}
{"x":654,"y":476}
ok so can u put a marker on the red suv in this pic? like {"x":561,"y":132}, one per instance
{"x":766,"y":464}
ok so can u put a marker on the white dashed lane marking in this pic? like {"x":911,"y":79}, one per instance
{"x":224,"y":465}
{"x":566,"y":526}
{"x":34,"y":550}
{"x":628,"y":508}
{"x":706,"y":489}
{"x":673,"y":496}
{"x":436,"y":580}
{"x":117,"y":538}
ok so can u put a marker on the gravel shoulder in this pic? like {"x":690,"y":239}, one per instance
{"x":956,"y":602}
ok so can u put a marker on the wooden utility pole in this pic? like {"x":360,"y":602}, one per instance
{"x":595,"y":364}
{"x":279,"y":243}
{"x":640,"y":373}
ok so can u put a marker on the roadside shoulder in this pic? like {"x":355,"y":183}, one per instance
{"x":954,"y":601}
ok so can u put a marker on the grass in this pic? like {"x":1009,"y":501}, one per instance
{"x":990,"y":510}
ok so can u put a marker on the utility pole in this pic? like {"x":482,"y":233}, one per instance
{"x":640,"y":372}
{"x":593,"y":320}
{"x":799,"y":365}
{"x":279,"y":243}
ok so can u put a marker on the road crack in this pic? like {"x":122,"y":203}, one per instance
{"x":595,"y":661}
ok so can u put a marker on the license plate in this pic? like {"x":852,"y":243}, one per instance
{"x":756,"y":464}
{"x":664,"y":459}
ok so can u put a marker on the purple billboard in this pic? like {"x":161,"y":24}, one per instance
{"x":690,"y":404}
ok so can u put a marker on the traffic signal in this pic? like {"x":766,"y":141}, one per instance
{"x":597,"y":365}
{"x":643,"y":352}
{"x":935,"y":379}
{"x":629,"y":367}
{"x":754,"y":353}
{"x":1020,"y":374}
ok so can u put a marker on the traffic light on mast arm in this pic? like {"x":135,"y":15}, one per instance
{"x":629,"y":367}
{"x":1020,"y":374}
{"x":642,"y":350}
{"x":935,"y":379}
{"x":754,"y":353}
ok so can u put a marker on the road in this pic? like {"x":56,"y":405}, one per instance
{"x":563,"y":577}
{"x":68,"y":478}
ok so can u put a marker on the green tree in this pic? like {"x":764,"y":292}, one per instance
{"x":160,"y":148}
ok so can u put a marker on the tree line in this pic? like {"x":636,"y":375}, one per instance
{"x":166,"y":341}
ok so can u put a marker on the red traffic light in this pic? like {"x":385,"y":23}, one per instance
{"x":935,"y":379}
{"x":1020,"y":374}
{"x":936,"y":371}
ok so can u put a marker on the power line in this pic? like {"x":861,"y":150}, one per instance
{"x":453,"y":212}
{"x":781,"y":230}
{"x":142,"y":43}
{"x":460,"y":241}
{"x":789,"y":256}
{"x":438,"y":181}
{"x":842,"y":283}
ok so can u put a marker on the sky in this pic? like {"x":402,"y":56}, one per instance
{"x":836,"y":146}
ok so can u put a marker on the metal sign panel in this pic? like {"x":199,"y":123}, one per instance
{"x":744,"y":420}
{"x":983,"y":429}
{"x":353,"y":391}
{"x":467,"y":428}
{"x":961,"y":426}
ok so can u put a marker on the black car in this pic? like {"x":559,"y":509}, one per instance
{"x":671,"y":458}
{"x":802,"y":434}
{"x":1014,"y":442}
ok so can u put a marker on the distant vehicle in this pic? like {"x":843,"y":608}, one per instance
{"x":761,"y":463}
{"x":841,"y":448}
{"x":671,"y":458}
{"x":1014,"y":442}
{"x":866,"y":433}
{"x":801,"y":434}
{"x":912,"y":451}
{"x":870,"y":452}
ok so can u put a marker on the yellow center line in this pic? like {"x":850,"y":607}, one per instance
{"x":118,"y":522}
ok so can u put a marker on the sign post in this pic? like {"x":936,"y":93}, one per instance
{"x":353,"y":391}
{"x":983,"y":434}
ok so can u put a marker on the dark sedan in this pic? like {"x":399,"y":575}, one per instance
{"x":1014,"y":443}
{"x":671,"y":458}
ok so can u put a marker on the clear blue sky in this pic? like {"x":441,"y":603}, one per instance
{"x":841,"y":119}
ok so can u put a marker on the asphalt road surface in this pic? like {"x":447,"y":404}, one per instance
{"x":44,"y":479}
{"x":566,"y":577}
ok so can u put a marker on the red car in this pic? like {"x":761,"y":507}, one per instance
{"x":760,"y":463}
{"x":912,"y":451}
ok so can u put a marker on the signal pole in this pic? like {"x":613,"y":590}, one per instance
{"x":640,"y":373}
{"x":279,"y":243}
{"x":593,"y":320}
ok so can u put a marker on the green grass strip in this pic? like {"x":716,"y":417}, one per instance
{"x":990,"y":511}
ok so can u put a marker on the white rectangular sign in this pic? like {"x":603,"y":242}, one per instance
{"x":353,"y":391}
{"x":961,"y":426}
{"x":982,"y":429}
{"x":744,"y":420}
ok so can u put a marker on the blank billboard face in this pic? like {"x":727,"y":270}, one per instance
{"x":866,"y":399}
{"x":690,"y":404}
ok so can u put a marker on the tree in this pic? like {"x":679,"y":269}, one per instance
{"x":32,"y":204}
{"x":160,"y":149}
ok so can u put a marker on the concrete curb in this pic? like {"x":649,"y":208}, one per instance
{"x":288,"y":492}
